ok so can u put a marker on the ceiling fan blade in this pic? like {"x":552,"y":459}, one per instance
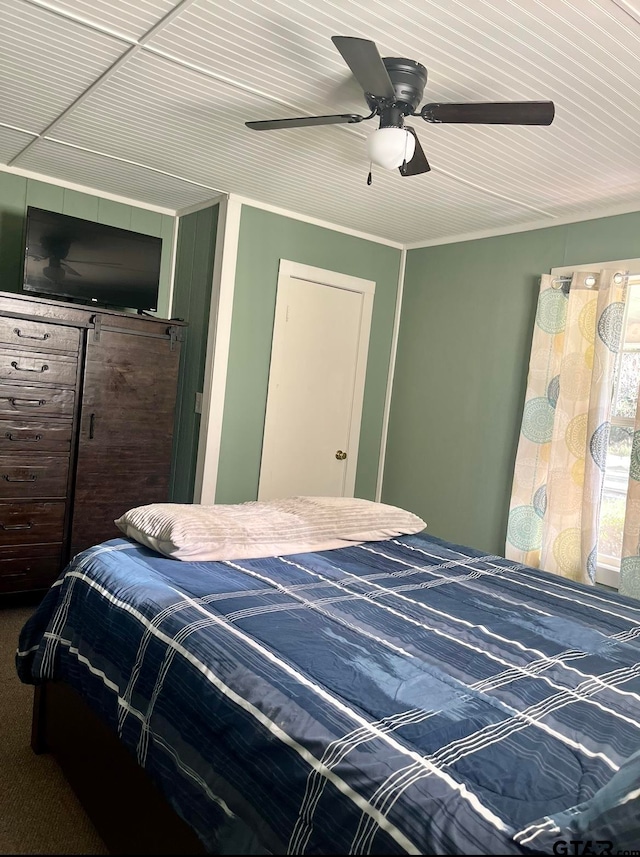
{"x":305,"y":121}
{"x":364,"y":60}
{"x":492,"y":113}
{"x":99,"y":264}
{"x":418,"y":163}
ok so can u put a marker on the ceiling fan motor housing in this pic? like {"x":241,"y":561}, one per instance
{"x":409,"y":79}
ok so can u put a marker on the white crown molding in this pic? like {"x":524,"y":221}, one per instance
{"x":218,"y":196}
{"x":199,"y":206}
{"x":595,"y":214}
{"x":91,"y":191}
{"x":315,"y":221}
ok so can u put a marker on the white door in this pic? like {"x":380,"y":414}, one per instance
{"x":316,"y":387}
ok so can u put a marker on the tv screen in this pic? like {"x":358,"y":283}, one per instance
{"x":69,"y":257}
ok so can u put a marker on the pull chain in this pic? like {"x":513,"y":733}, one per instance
{"x":369,"y":177}
{"x":403,"y":168}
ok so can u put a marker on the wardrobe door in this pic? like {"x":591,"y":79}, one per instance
{"x":126,"y":429}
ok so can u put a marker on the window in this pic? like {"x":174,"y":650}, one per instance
{"x":623,"y":412}
{"x":624,"y":397}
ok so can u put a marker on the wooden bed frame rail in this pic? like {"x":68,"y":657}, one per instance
{"x":127,"y":809}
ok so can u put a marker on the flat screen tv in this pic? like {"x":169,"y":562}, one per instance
{"x":88,"y":262}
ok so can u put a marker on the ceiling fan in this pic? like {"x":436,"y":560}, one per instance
{"x":393,"y":89}
{"x":56,"y":249}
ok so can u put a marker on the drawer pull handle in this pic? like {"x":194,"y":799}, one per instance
{"x":17,"y":526}
{"x":34,"y":439}
{"x":43,"y":368}
{"x":92,"y":426}
{"x":31,"y":478}
{"x":22,"y":335}
{"x":27,"y":403}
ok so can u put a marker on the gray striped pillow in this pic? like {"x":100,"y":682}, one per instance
{"x":264,"y":528}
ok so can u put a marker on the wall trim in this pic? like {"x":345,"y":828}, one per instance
{"x":199,"y":206}
{"x":325,"y":277}
{"x":531,"y":226}
{"x":91,"y":191}
{"x":315,"y":221}
{"x":172,"y":266}
{"x":390,"y":377}
{"x":217,"y":357}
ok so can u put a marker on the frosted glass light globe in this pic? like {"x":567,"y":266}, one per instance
{"x":389,"y":147}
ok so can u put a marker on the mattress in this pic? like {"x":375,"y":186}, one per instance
{"x":402,"y":696}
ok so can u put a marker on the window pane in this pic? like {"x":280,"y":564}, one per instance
{"x":614,"y":494}
{"x":628,"y":382}
{"x":632,"y":332}
{"x":625,"y":397}
{"x":627,"y":371}
{"x":627,"y":387}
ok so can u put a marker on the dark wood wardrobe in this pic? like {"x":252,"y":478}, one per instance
{"x":87,"y":400}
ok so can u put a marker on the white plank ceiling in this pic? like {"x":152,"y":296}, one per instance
{"x":148,"y":99}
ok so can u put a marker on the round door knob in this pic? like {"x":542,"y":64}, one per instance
{"x":340,"y":455}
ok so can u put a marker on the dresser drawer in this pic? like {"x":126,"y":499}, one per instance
{"x":30,"y":572}
{"x":38,"y":334}
{"x":37,"y":476}
{"x":35,"y":436}
{"x":33,"y":400}
{"x":31,"y":523}
{"x":22,"y":552}
{"x":30,"y":366}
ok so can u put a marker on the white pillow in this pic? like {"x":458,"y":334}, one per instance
{"x":264,"y":528}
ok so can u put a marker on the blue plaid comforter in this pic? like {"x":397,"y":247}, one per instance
{"x":408,"y":695}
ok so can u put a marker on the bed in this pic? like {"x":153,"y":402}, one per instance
{"x":407,"y":695}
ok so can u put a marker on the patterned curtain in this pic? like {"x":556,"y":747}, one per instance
{"x":630,"y":564}
{"x":557,"y":485}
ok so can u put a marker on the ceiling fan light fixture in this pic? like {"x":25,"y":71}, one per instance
{"x":390,"y":147}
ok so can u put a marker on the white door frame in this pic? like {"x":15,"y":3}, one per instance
{"x":334,"y":279}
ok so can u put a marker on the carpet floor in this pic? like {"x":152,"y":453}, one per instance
{"x":39,"y":814}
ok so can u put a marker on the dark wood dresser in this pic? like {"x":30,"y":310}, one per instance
{"x":87,"y":400}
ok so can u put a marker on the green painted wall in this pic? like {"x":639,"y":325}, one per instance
{"x":265,"y":238}
{"x":17,"y":192}
{"x":460,"y":378}
{"x":191,"y":302}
